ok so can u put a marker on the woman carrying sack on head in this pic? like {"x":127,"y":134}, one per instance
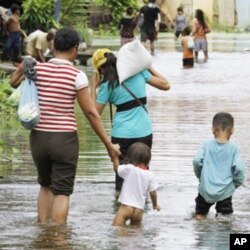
{"x":131,"y":122}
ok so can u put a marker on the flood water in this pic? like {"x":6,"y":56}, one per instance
{"x":181,"y":120}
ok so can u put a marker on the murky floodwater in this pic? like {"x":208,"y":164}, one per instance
{"x":181,"y":120}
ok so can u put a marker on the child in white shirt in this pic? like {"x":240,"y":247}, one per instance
{"x":138,"y":182}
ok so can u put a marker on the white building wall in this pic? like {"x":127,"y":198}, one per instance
{"x":227,"y":12}
{"x":243,"y":13}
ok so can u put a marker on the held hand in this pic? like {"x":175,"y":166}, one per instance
{"x":157,"y":207}
{"x":114,"y":152}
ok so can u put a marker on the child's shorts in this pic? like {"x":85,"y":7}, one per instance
{"x":224,"y":207}
{"x":200,"y":44}
{"x":178,"y":33}
{"x":188,"y":62}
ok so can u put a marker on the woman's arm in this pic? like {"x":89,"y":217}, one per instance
{"x":17,"y":77}
{"x":88,"y":108}
{"x":157,"y":80}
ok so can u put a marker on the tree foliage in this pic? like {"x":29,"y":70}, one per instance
{"x":38,"y":14}
{"x":117,"y":8}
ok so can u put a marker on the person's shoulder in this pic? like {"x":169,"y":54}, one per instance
{"x":233,"y":145}
{"x":143,"y":8}
{"x":126,"y":167}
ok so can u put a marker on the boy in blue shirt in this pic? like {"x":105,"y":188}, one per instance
{"x":219,"y":168}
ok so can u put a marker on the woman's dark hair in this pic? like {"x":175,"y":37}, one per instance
{"x":186,"y":31}
{"x":66,"y":39}
{"x":200,"y":17}
{"x":138,"y":153}
{"x":108,"y":71}
{"x":223,"y":121}
{"x":129,"y":10}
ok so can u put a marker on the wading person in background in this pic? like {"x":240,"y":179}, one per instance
{"x":187,"y":48}
{"x":148,"y":29}
{"x":200,"y":29}
{"x":180,"y":22}
{"x":138,"y":182}
{"x":127,"y":26}
{"x":131,"y":122}
{"x":219,"y":168}
{"x":54,"y":141}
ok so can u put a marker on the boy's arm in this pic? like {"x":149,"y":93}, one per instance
{"x":153,"y":197}
{"x":198,"y":161}
{"x":238,"y":169}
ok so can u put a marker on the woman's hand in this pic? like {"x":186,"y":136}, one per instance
{"x":114,"y":152}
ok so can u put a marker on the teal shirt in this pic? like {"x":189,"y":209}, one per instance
{"x":133,"y":123}
{"x":220,"y":170}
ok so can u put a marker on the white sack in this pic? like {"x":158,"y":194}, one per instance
{"x":132,"y":58}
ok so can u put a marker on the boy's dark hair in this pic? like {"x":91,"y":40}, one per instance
{"x":180,"y":9}
{"x":66,"y":39}
{"x":129,"y":10}
{"x":223,"y":121}
{"x":14,"y":7}
{"x":186,"y":31}
{"x":151,"y":1}
{"x":138,"y":153}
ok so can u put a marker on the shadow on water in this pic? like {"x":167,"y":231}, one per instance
{"x":181,"y":121}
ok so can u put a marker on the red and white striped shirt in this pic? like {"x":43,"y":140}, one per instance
{"x":57,"y":83}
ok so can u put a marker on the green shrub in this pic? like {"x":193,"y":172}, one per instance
{"x":38,"y":14}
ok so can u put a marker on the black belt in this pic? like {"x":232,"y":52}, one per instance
{"x":131,"y":104}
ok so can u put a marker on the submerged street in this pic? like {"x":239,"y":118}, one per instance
{"x":181,"y":121}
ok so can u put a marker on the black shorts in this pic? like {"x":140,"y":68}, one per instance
{"x":224,"y":207}
{"x":55,"y":155}
{"x":178,"y":33}
{"x":124,"y":144}
{"x":188,"y":62}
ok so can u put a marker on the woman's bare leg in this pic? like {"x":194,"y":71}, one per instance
{"x":44,"y":204}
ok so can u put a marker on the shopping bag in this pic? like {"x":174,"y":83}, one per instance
{"x":14,"y":98}
{"x":28,"y":109}
{"x":190,"y":42}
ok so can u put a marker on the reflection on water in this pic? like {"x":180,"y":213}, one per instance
{"x":181,"y":121}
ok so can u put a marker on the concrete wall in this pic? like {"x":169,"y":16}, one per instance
{"x":206,"y":6}
{"x":243,"y":10}
{"x":227,"y":12}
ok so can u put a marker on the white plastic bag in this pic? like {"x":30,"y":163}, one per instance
{"x":14,"y":98}
{"x":190,"y":42}
{"x":28,"y":110}
{"x":132,"y":58}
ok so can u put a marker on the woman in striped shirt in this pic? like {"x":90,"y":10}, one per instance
{"x":54,"y":141}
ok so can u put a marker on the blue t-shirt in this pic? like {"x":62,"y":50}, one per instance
{"x":219,"y":168}
{"x":133,"y":123}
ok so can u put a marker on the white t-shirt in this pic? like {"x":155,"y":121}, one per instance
{"x":136,"y":186}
